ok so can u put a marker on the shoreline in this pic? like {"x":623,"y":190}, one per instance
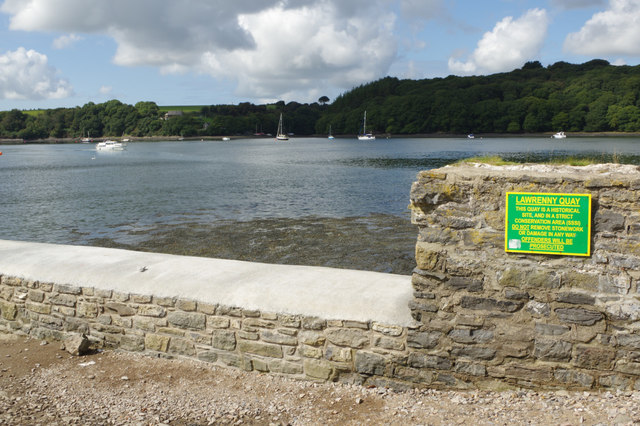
{"x":54,"y":141}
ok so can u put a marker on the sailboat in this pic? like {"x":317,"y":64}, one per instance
{"x":365,"y":136}
{"x":281,"y":135}
{"x":330,"y":135}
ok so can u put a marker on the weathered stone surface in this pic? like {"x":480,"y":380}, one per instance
{"x":551,"y":329}
{"x":429,"y":256}
{"x":464,"y":335}
{"x":36,"y":296}
{"x":186,"y":305}
{"x":188,"y":320}
{"x":182,"y":346}
{"x":489,"y":304}
{"x":419,"y":360}
{"x":470,"y":368}
{"x":313,"y":323}
{"x":285,"y":367}
{"x":119,"y":308}
{"x":208,"y":356}
{"x":347,"y":337}
{"x":271,"y":337}
{"x":155,"y":342}
{"x":67,"y":289}
{"x":386,"y":329}
{"x":338,"y":354}
{"x":132,"y":343}
{"x":62,"y":299}
{"x":424,"y":339}
{"x":77,"y":344}
{"x":389,"y":343}
{"x":608,"y":221}
{"x":151,"y":311}
{"x":631,"y":341}
{"x":87,"y":310}
{"x":552,"y":350}
{"x":574,"y":377}
{"x":628,"y":310}
{"x":576,"y":298}
{"x":579,"y":316}
{"x":529,"y":373}
{"x":317,"y":369}
{"x":473,"y":352}
{"x":615,"y":382}
{"x":370,"y":363}
{"x":312,"y":338}
{"x":262,"y":349}
{"x":515,"y":294}
{"x":421,"y":305}
{"x":471,"y":284}
{"x":225,"y":340}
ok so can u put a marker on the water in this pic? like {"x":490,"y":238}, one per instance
{"x":339,"y":203}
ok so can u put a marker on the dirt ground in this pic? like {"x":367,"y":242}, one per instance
{"x":42,"y":384}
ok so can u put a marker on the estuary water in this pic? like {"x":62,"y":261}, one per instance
{"x":340,"y":203}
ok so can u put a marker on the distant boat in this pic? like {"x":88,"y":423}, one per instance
{"x":365,"y":136}
{"x":110,"y":145}
{"x":559,"y":135}
{"x":281,"y":135}
{"x":330,"y":135}
{"x":471,"y":136}
{"x":226,"y":138}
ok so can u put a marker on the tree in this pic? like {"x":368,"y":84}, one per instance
{"x":323,"y":100}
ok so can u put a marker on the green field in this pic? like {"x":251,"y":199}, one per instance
{"x":183,"y":108}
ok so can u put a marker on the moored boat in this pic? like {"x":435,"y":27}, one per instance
{"x":281,"y":135}
{"x":559,"y":135}
{"x":364,"y":136}
{"x":109,"y":145}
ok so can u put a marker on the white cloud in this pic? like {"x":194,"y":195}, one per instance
{"x":105,"y":90}
{"x":509,"y":45}
{"x":26,"y":74}
{"x":615,"y":31}
{"x":275,"y":49}
{"x":66,"y":41}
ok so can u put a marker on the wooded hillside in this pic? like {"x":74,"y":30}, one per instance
{"x":590,"y":97}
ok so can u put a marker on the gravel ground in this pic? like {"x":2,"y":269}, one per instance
{"x":42,"y":384}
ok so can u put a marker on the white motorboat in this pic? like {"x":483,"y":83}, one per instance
{"x":560,"y":135}
{"x":471,"y":136}
{"x":365,"y":136}
{"x":109,"y":145}
{"x":281,"y":135}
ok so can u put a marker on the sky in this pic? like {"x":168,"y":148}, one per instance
{"x":65,"y":53}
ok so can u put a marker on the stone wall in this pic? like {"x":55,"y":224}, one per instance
{"x":295,"y":345}
{"x":484,"y":318}
{"x":527,"y":319}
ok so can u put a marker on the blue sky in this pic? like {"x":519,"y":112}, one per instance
{"x":63,"y":53}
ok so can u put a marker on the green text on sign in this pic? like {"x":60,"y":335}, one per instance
{"x":548,"y":223}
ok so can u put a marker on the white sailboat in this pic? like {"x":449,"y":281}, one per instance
{"x":330,"y":135}
{"x":365,"y":136}
{"x":281,"y":135}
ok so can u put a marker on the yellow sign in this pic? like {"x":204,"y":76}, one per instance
{"x":548,"y":223}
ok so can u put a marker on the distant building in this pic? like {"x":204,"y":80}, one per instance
{"x":169,"y":114}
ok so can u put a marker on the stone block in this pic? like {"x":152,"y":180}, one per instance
{"x":614,"y":284}
{"x":313,"y":323}
{"x":581,"y":280}
{"x":317,"y":369}
{"x":573,"y":377}
{"x":388,"y":343}
{"x":551,"y":329}
{"x":387,"y":329}
{"x":87,"y":310}
{"x":429,"y":256}
{"x":421,"y":305}
{"x":132,"y":343}
{"x":489,"y":304}
{"x":186,"y":305}
{"x":576,"y":298}
{"x":370,"y":363}
{"x":40,"y":308}
{"x":188,"y":320}
{"x":271,"y":337}
{"x":608,"y":221}
{"x":423,"y":339}
{"x":579,"y":316}
{"x":312,"y":338}
{"x":552,"y":350}
{"x":67,"y":289}
{"x":629,"y":341}
{"x":529,"y":373}
{"x":614,"y":381}
{"x":206,"y":308}
{"x":207,"y":356}
{"x":628,"y":310}
{"x":415,"y":375}
{"x":254,"y":323}
{"x":347,"y":337}
{"x":77,"y":344}
{"x":166,"y":302}
{"x":217,"y":322}
{"x":628,"y":367}
{"x":470,"y":369}
{"x":511,"y":293}
{"x":420,"y":360}
{"x":140,"y":298}
{"x":258,"y":348}
{"x":292,"y":321}
{"x":473,"y":352}
{"x":119,"y":308}
{"x":471,"y":284}
{"x":36,"y":296}
{"x":311,"y":352}
{"x":63,"y":299}
{"x":181,"y":346}
{"x":155,"y":342}
{"x":151,"y":311}
{"x":285,"y":367}
{"x":9,"y":310}
{"x":465,"y":335}
{"x":538,"y":309}
{"x":337,"y":354}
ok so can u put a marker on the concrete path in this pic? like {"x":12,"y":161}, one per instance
{"x":327,"y":293}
